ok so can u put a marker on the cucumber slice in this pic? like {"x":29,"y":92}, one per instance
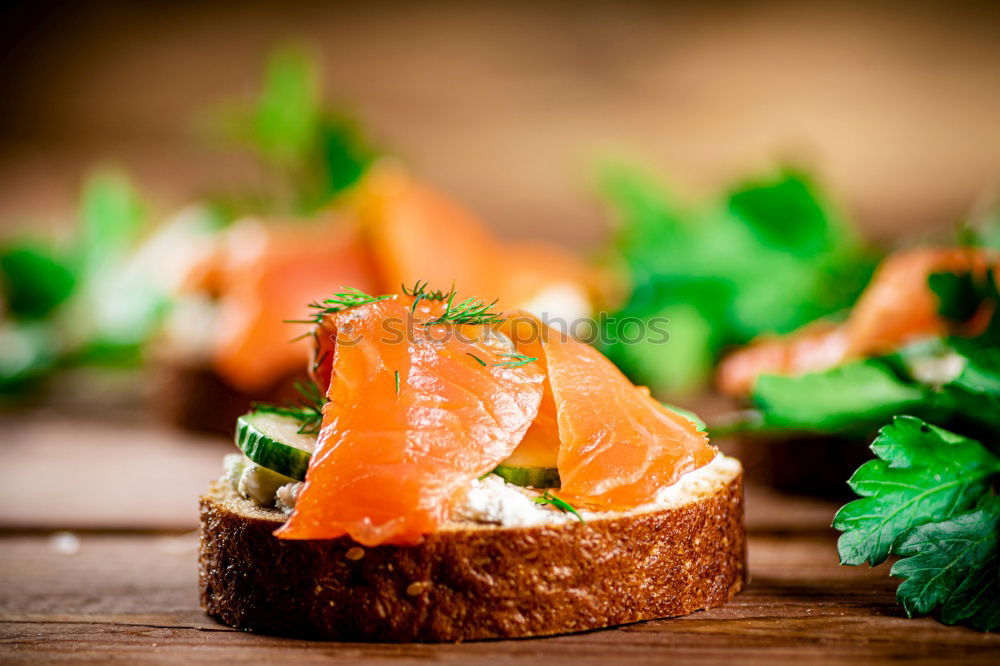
{"x":529,"y":477}
{"x":274,"y":442}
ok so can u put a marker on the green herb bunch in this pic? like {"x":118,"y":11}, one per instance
{"x":88,"y":299}
{"x":308,"y":153}
{"x":767,"y":256}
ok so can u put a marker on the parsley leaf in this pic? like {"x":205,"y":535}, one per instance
{"x":785,"y":212}
{"x":34,"y":278}
{"x":923,"y":474}
{"x":846,"y":397}
{"x":953,"y":566}
{"x":929,"y":498}
{"x":959,"y":294}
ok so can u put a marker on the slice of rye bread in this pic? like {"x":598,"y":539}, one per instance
{"x":474,"y":581}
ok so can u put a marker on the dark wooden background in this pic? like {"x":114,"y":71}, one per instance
{"x":896,"y":104}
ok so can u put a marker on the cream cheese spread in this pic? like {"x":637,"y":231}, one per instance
{"x":491,"y":500}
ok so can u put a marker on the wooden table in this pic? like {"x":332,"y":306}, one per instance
{"x":121,"y":585}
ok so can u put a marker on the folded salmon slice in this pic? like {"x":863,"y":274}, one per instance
{"x":540,"y":446}
{"x":897,"y":307}
{"x":389,"y":464}
{"x":618,"y":447}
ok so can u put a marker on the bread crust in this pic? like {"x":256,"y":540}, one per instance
{"x":475,"y":583}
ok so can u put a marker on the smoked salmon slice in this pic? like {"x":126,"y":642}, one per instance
{"x":390,"y":461}
{"x":618,"y":447}
{"x":418,"y":409}
{"x":817,"y":346}
{"x":896,"y":308}
{"x":418,"y":233}
{"x":540,"y":446}
{"x":265,"y":273}
{"x":390,"y":230}
{"x":899,"y":306}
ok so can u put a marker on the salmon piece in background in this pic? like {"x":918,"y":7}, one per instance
{"x":418,"y":233}
{"x":897,"y":307}
{"x":268,"y":273}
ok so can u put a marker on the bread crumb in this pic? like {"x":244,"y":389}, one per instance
{"x":354,"y":554}
{"x":417,"y":587}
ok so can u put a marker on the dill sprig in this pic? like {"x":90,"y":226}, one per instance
{"x":420,"y":289}
{"x":319,"y":360}
{"x":396,"y":375}
{"x":561,"y":504}
{"x":340,"y":301}
{"x":308,"y":411}
{"x":478,"y":360}
{"x":470,"y":311}
{"x":516,"y":360}
{"x":419,"y":292}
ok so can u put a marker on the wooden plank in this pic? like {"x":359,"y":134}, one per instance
{"x":133,"y":598}
{"x":64,"y":474}
{"x":80,"y":475}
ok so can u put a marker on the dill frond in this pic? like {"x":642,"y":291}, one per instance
{"x":308,"y":411}
{"x":478,"y":360}
{"x":339,"y":302}
{"x":419,"y":292}
{"x":470,"y":311}
{"x":516,"y":361}
{"x":561,"y":504}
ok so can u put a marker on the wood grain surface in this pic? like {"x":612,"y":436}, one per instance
{"x":123,"y":586}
